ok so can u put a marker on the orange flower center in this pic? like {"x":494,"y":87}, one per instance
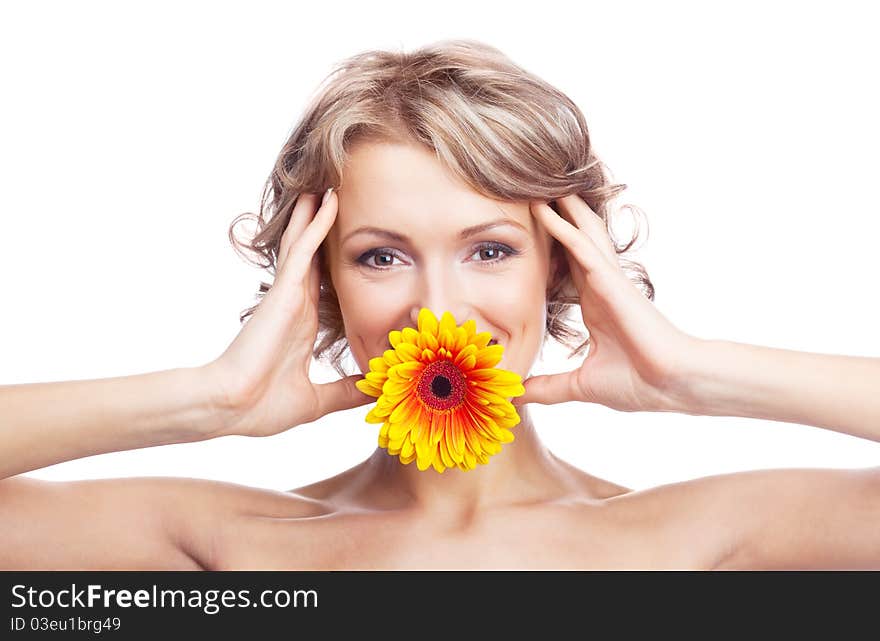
{"x":442,"y":386}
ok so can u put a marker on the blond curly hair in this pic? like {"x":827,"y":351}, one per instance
{"x":505,"y":132}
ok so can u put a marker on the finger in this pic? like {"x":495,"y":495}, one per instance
{"x":548,"y":389}
{"x":307,"y":243}
{"x":302,"y":213}
{"x":304,"y":248}
{"x":585,"y":219}
{"x":340,"y":395}
{"x":579,"y":244}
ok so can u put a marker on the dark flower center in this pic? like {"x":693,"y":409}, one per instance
{"x":442,"y":386}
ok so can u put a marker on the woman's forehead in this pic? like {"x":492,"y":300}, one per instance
{"x":403,"y":185}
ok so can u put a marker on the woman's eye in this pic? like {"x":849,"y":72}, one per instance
{"x":387,"y":258}
{"x":491,"y":251}
{"x":487,"y":254}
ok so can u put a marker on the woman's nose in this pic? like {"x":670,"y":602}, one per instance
{"x":442,"y":289}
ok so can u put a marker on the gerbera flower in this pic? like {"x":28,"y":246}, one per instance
{"x":441,"y":401}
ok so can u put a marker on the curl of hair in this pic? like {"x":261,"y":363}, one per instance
{"x":504,"y":131}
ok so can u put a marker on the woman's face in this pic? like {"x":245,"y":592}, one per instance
{"x":416,"y":254}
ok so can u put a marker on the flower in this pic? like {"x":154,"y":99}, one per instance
{"x":441,"y":401}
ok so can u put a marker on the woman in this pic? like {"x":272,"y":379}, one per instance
{"x":420,"y":148}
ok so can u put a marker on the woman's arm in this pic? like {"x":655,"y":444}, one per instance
{"x":726,"y":378}
{"x":800,"y":518}
{"x":46,"y":423}
{"x":639,"y":361}
{"x":134,"y":523}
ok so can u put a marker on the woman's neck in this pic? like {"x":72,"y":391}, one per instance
{"x":523,"y":471}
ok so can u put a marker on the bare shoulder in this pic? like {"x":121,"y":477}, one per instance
{"x":687,"y":524}
{"x":763,"y":518}
{"x":140,"y":522}
{"x":217,"y":521}
{"x":205,"y":515}
{"x":236,"y":498}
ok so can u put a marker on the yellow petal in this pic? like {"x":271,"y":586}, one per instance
{"x":508,"y":421}
{"x":468,"y":363}
{"x":419,"y":428}
{"x":469,"y":459}
{"x":486,"y":423}
{"x":468,"y":350}
{"x":438,"y":425}
{"x":458,"y":435}
{"x":394,"y":386}
{"x":390,"y":357}
{"x":407,"y":370}
{"x":368,"y":388}
{"x":382,"y":409}
{"x":429,"y":340}
{"x":444,"y":452}
{"x":481,"y":340}
{"x":447,"y":323}
{"x":486,"y":435}
{"x":492,"y":447}
{"x":509,"y":390}
{"x":425,"y":450}
{"x":408,"y":351}
{"x":447,"y":339}
{"x":495,"y":411}
{"x":482,"y":374}
{"x":408,"y":448}
{"x":383,"y":435}
{"x":427,"y":322}
{"x":377,"y":364}
{"x":485,"y":391}
{"x":460,"y":339}
{"x":410,"y":335}
{"x":397,"y":432}
{"x":394,"y":337}
{"x":505,"y":377}
{"x":404,"y":412}
{"x":472,"y":439}
{"x":489,"y":356}
{"x":395,"y":445}
{"x":470,"y":327}
{"x":376,"y":377}
{"x":454,"y":453}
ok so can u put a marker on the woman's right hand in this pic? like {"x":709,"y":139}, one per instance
{"x":263,"y":376}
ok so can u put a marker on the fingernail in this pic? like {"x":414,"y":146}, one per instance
{"x":326,"y":195}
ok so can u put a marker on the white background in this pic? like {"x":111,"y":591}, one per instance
{"x":132,"y":134}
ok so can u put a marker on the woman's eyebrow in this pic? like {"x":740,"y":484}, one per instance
{"x":465,"y":233}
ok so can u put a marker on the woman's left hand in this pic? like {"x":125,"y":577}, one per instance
{"x":637,"y":360}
